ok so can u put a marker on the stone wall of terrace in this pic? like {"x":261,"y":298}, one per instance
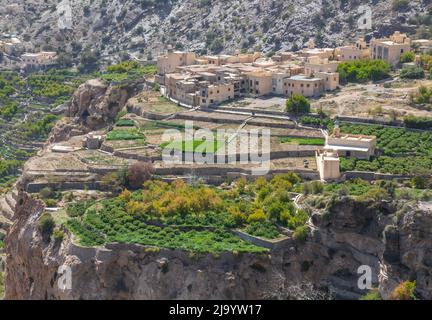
{"x":370,"y":176}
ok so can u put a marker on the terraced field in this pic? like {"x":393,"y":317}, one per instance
{"x":25,"y":114}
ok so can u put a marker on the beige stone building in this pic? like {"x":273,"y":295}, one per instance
{"x":212,"y":94}
{"x":328,"y":164}
{"x":260,"y":83}
{"x":390,"y":49}
{"x":351,"y":145}
{"x":330,"y":79}
{"x":173,"y":59}
{"x":317,"y":64}
{"x":303,"y":85}
{"x":423,"y":45}
{"x":358,"y":51}
{"x":40,"y":59}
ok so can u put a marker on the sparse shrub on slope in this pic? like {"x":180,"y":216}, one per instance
{"x":404,"y":291}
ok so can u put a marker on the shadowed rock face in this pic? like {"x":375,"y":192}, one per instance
{"x":355,"y":234}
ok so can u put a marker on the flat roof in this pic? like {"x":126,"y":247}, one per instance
{"x":303,"y":78}
{"x":346,"y":148}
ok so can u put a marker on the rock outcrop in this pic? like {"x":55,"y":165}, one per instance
{"x":96,"y":104}
{"x":395,"y":244}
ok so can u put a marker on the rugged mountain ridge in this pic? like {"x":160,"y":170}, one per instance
{"x":146,"y":27}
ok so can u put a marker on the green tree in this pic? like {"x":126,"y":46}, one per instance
{"x":297,"y":104}
{"x":407,"y":57}
{"x":46,"y":225}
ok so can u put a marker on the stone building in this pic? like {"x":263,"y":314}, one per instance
{"x":351,"y":145}
{"x":328,"y":164}
{"x":390,"y":49}
{"x":40,"y":59}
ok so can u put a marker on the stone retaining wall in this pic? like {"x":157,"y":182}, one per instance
{"x":269,"y":244}
{"x":370,"y":176}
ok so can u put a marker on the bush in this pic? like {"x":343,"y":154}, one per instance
{"x":58,"y":235}
{"x":139,"y":173}
{"x":373,"y":294}
{"x":46,"y":193}
{"x":404,"y":291}
{"x":301,"y":233}
{"x":412,"y":73}
{"x":407,"y":57}
{"x":297,"y":104}
{"x":51,"y":203}
{"x":46,"y":225}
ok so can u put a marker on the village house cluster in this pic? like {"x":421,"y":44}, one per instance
{"x":210,"y":80}
{"x":17,"y":52}
{"x":39,"y":59}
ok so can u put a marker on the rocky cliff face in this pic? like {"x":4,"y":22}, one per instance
{"x":146,"y":27}
{"x":96,"y":104}
{"x":395,"y":243}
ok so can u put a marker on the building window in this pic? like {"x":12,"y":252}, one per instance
{"x":308,"y":85}
{"x":217,"y":91}
{"x":315,"y":85}
{"x":229,"y":89}
{"x":203,"y":100}
{"x":302,"y":85}
{"x":402,"y":50}
{"x":211,"y":100}
{"x":257,"y":83}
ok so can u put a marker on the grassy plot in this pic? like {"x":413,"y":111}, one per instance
{"x":125,"y":134}
{"x":303,"y":141}
{"x":125,"y":123}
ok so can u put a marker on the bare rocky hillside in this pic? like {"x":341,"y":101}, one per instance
{"x":145,"y":27}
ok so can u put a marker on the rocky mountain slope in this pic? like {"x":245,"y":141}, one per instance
{"x":394,"y":242}
{"x":146,"y":27}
